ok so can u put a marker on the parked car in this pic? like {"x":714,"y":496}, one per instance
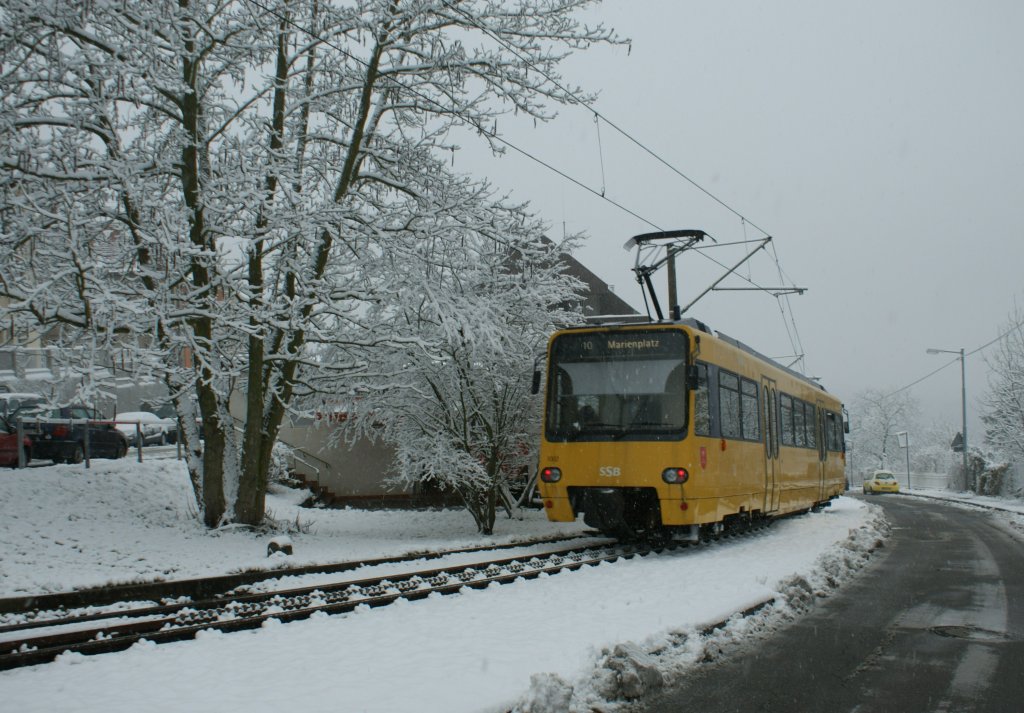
{"x":166,"y":411}
{"x":59,"y":434}
{"x":9,"y":403}
{"x":154,"y":430}
{"x":883,"y":481}
{"x":9,"y":443}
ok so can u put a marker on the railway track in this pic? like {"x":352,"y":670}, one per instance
{"x":43,"y":637}
{"x":41,"y":641}
{"x":211,"y":587}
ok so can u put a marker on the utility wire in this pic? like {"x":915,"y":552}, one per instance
{"x":493,"y":135}
{"x":794,"y":335}
{"x":479,"y":127}
{"x":923,"y":378}
{"x":984,"y":346}
{"x":569,"y":93}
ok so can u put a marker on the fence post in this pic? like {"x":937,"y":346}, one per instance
{"x":87,"y":466}
{"x":20,"y":430}
{"x":138,"y":441}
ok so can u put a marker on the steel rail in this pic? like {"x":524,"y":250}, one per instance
{"x":241,"y":611}
{"x":207,"y":587}
{"x":182,"y":621}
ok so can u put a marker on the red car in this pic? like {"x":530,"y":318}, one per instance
{"x":9,"y":446}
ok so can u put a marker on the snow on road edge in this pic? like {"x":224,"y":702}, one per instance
{"x":630,"y":670}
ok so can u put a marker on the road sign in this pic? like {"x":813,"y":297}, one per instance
{"x":958,"y":443}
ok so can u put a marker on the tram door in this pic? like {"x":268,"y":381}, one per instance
{"x":770,"y":432}
{"x":819,"y":431}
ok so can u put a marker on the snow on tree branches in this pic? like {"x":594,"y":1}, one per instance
{"x":455,"y":402}
{"x":1004,"y":401}
{"x":212,"y":191}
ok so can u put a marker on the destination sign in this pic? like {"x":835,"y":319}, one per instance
{"x":633,"y":344}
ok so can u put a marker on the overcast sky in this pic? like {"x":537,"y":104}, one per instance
{"x":879,"y":143}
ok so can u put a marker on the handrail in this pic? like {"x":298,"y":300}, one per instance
{"x":327,"y":465}
{"x":316,"y":471}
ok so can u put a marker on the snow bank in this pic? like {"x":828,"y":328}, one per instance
{"x":594,"y":638}
{"x":628,"y":671}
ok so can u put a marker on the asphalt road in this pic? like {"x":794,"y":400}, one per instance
{"x":935,"y":624}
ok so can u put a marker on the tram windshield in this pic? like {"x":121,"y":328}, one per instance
{"x":617,"y":385}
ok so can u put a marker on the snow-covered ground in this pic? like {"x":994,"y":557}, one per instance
{"x":564,"y":642}
{"x":64,"y":527}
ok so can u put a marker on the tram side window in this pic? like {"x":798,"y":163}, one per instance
{"x":799,"y":424}
{"x":812,"y":425}
{"x":749,"y":410}
{"x":565,"y":407}
{"x":737,"y":404}
{"x":786,"y":406}
{"x":834,"y":441}
{"x":729,"y":404}
{"x":701,"y":403}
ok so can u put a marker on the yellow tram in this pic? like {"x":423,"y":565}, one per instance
{"x":667,"y":428}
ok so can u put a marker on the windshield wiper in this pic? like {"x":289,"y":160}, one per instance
{"x":645,"y":427}
{"x":595,"y":428}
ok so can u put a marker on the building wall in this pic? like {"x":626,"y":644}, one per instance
{"x":351,"y":471}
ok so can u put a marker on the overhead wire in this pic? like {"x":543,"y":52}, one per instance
{"x":484,"y":130}
{"x":600,"y":153}
{"x":794,"y":336}
{"x":569,"y":93}
{"x":798,"y":347}
{"x":492,"y":134}
{"x":477,"y":126}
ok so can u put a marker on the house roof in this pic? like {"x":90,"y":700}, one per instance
{"x":600,"y":299}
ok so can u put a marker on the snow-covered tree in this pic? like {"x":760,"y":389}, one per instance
{"x":931,"y":448}
{"x":455,"y":404}
{"x":875,"y":418}
{"x":1004,"y":401}
{"x":210,"y":188}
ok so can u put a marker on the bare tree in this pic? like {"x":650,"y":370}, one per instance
{"x":211,"y":187}
{"x":931,"y":447}
{"x":876,"y":417}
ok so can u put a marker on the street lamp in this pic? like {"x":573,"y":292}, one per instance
{"x":963,"y":400}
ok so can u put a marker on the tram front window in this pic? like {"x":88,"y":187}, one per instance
{"x":618,"y":385}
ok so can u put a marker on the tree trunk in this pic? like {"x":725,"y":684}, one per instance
{"x":214,"y":447}
{"x":213,"y":502}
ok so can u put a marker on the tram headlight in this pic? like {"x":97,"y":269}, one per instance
{"x":550,"y":475}
{"x":675,"y":476}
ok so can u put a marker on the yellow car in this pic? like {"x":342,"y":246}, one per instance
{"x":883,"y":481}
